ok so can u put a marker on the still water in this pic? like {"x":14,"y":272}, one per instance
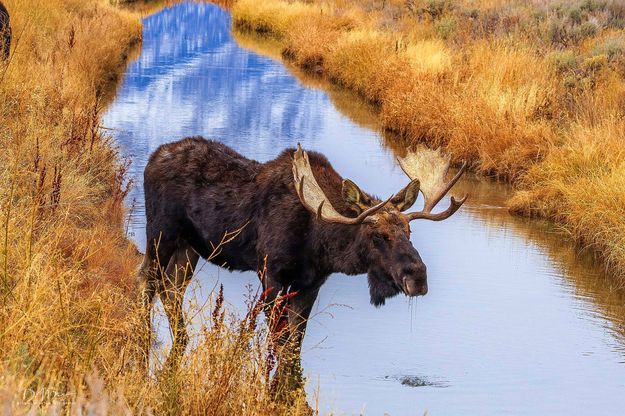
{"x":515,"y":322}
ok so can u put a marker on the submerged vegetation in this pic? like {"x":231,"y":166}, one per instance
{"x":68,"y":299}
{"x":531,"y":92}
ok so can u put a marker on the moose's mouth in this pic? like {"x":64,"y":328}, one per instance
{"x":412,"y":287}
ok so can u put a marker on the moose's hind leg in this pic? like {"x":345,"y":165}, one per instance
{"x":177,"y":277}
{"x":148,"y":279}
{"x":147,"y":290}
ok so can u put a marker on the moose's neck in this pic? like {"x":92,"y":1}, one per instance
{"x":339,"y":248}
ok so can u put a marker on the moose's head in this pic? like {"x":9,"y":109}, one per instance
{"x":383,"y":231}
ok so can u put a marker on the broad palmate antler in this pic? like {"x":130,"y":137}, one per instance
{"x":430,"y":168}
{"x":427,"y":166}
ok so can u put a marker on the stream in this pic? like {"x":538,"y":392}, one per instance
{"x":516,"y":320}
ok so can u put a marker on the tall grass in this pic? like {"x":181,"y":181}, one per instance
{"x":68,"y":301}
{"x":525,"y":91}
{"x":65,"y":262}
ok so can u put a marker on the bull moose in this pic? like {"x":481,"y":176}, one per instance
{"x":5,"y":33}
{"x":297,"y":218}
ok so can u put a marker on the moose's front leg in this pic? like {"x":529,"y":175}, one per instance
{"x":289,"y":336}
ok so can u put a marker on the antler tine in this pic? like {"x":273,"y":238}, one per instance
{"x":431,"y":167}
{"x":450,"y":185}
{"x":314,"y":199}
{"x":453,"y":207}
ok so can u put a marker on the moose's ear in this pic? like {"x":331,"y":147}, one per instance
{"x":358,"y":200}
{"x":407,"y":196}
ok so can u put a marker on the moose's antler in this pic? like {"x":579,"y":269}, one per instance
{"x":314,"y":199}
{"x":430,"y":168}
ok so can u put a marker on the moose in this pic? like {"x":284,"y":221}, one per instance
{"x":297,"y":219}
{"x":5,"y":33}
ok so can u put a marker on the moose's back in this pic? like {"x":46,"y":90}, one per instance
{"x":199,"y":189}
{"x":196,"y":190}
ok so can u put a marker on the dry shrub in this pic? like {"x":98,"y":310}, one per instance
{"x":490,"y":111}
{"x":227,"y":371}
{"x":582,"y":186}
{"x":355,"y":60}
{"x":271,"y":17}
{"x":418,"y":111}
{"x":429,"y":57}
{"x":67,"y":292}
{"x":310,"y":39}
{"x":505,"y":109}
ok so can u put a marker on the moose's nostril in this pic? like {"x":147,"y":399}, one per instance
{"x":415,"y":288}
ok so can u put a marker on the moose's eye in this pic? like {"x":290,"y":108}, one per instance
{"x":379,"y":239}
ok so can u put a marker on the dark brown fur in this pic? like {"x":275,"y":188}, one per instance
{"x":5,"y":33}
{"x":196,"y":190}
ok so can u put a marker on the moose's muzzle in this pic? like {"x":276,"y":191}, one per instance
{"x":413,"y":287}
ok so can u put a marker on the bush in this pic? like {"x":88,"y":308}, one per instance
{"x":575,"y":16}
{"x":445,"y":27}
{"x":612,"y":47}
{"x":490,"y":21}
{"x":595,"y":63}
{"x":558,"y":33}
{"x":588,"y":29}
{"x":472,"y":14}
{"x":563,"y":61}
{"x":616,"y":10}
{"x":593,"y":5}
{"x":437,"y":8}
{"x":571,"y":82}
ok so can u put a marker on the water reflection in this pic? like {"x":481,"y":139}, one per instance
{"x":516,"y":321}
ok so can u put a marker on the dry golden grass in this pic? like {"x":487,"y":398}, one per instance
{"x":582,"y":185}
{"x":65,"y":287}
{"x":68,"y":310}
{"x":270,"y":17}
{"x":526,"y":91}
